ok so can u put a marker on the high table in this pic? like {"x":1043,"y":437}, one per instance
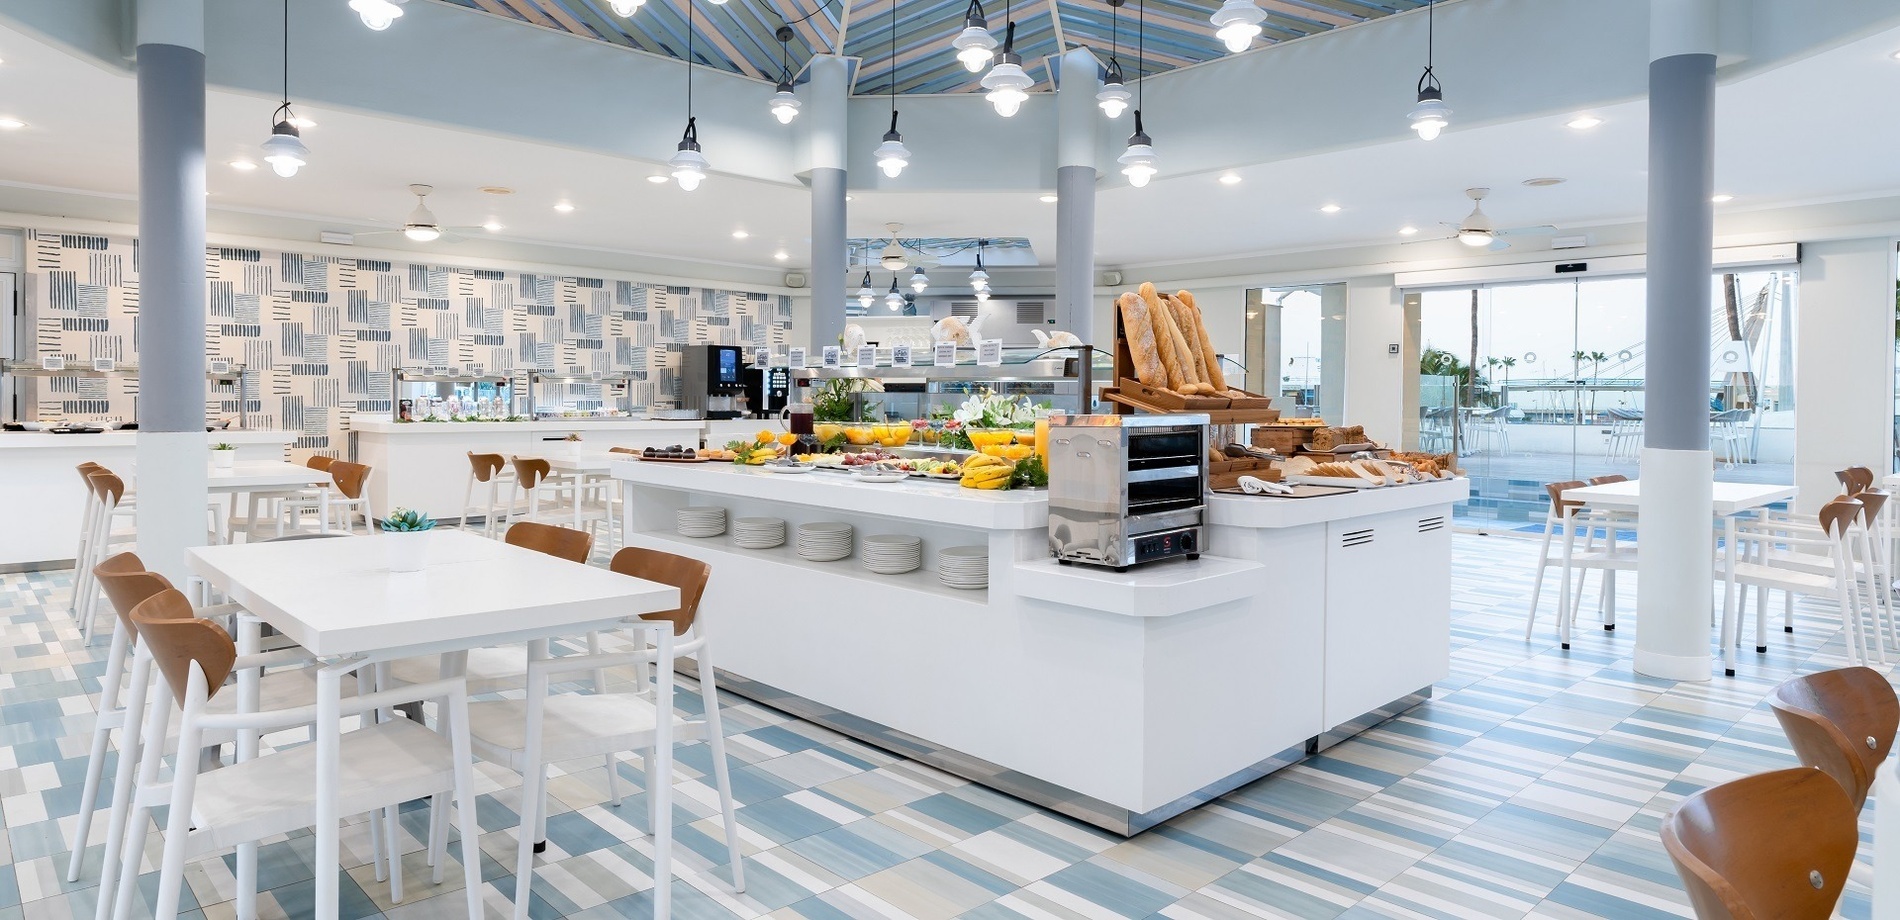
{"x":1732,"y":499}
{"x":338,"y":599}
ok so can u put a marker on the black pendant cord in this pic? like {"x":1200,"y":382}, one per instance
{"x":1114,"y":36}
{"x":286,"y":53}
{"x":1141,"y":56}
{"x":689,"y":60}
{"x":1428,"y":78}
{"x":893,"y":65}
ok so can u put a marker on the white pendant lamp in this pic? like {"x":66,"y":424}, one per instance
{"x":918,"y":280}
{"x":689,"y":165}
{"x":1113,"y":96}
{"x":284,"y":149}
{"x":1008,"y":85}
{"x":865,"y":294}
{"x":1139,"y":159}
{"x":625,"y":7}
{"x":377,"y":14}
{"x":892,"y":155}
{"x":1237,"y":23}
{"x":975,"y":45}
{"x":980,"y":279}
{"x":895,"y":299}
{"x":1430,"y":115}
{"x":784,"y":104}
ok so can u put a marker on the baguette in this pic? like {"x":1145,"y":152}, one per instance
{"x":1164,"y":343}
{"x":1206,"y":343}
{"x":1184,"y":322}
{"x":1139,"y":332}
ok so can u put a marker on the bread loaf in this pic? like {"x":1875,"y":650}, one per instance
{"x":1184,"y":322}
{"x":1164,"y":342}
{"x":1139,"y":332}
{"x":1209,"y":356}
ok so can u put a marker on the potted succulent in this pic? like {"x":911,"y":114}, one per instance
{"x":223,"y":456}
{"x":407,"y":548}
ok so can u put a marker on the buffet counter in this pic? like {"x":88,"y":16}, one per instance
{"x":1120,"y":699}
{"x":41,"y":486}
{"x":424,"y":465}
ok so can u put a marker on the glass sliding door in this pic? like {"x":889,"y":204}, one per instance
{"x":1296,"y":340}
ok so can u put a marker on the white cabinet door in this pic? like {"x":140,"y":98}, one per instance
{"x":1388,"y":609}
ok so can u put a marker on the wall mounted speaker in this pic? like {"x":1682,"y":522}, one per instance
{"x":795,"y":279}
{"x":1111,"y":279}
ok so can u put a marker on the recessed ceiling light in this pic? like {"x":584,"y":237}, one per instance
{"x":1545,"y":181}
{"x":492,"y":225}
{"x":1407,"y":230}
{"x":740,"y":234}
{"x":563,"y":207}
{"x":243,"y":165}
{"x":1047,"y":199}
{"x":1583,"y":122}
{"x":1329,"y":209}
{"x":658,"y":180}
{"x":1720,"y":199}
{"x":781,"y":255}
{"x":496,"y":190}
{"x":11,"y":124}
{"x":847,"y":197}
{"x":1896,"y":55}
{"x":1230,"y":179}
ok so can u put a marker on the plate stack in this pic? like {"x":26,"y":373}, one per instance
{"x":824,"y":541}
{"x":892,"y":553}
{"x":700,"y":522}
{"x":758,"y":532}
{"x":965,"y":567}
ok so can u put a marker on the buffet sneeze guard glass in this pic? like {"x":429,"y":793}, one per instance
{"x":575,"y":393}
{"x":440,"y":394}
{"x":1059,"y":377}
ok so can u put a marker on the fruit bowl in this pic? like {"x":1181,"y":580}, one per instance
{"x":858,"y":434}
{"x":896,"y":435}
{"x":981,"y":438}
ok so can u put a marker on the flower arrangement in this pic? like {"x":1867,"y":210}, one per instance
{"x":992,"y":410}
{"x":407,"y":520}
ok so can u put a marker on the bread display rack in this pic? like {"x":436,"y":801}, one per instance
{"x":1163,"y":387}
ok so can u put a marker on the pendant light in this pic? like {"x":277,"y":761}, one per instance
{"x":284,"y":149}
{"x":895,"y":299}
{"x":1113,"y":97}
{"x":1236,"y":24}
{"x":689,"y":165}
{"x":980,"y":279}
{"x":1429,"y":115}
{"x":784,"y":104}
{"x":892,"y":155}
{"x":865,"y":294}
{"x":1008,"y":85}
{"x":919,"y":280}
{"x":377,"y":14}
{"x":626,"y":8}
{"x":1138,"y":161}
{"x":975,"y":45}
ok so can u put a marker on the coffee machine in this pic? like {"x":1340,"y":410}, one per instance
{"x":767,"y":389}
{"x":711,"y":381}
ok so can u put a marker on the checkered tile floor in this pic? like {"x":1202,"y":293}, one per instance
{"x":1532,"y":785}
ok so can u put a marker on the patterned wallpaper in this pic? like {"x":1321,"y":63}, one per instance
{"x":319,"y":333}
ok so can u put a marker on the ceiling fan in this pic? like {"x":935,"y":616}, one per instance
{"x":1478,"y":231}
{"x":421,"y":225}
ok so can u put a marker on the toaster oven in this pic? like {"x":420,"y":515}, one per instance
{"x":1126,"y":489}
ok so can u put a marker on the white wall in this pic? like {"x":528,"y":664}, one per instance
{"x":1375,"y":379}
{"x":1843,"y":363}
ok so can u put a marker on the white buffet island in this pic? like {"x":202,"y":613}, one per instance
{"x":1117,"y":699}
{"x":424,"y":465}
{"x":44,"y":496}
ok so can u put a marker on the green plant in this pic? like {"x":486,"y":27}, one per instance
{"x":407,"y":520}
{"x":832,"y":402}
{"x":1029,"y":474}
{"x":222,"y":446}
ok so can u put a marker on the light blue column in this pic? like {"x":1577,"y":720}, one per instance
{"x":1077,"y":119}
{"x":826,"y":94}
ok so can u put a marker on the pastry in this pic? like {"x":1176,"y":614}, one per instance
{"x":1140,"y":336}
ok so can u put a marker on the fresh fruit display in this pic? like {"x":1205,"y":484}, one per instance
{"x":764,"y":446}
{"x":987,"y":472}
{"x":927,"y":467}
{"x":858,"y":434}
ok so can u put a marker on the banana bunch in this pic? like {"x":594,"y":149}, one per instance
{"x":983,"y":471}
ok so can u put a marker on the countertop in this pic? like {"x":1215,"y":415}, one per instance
{"x":383,"y":424}
{"x":19,"y":440}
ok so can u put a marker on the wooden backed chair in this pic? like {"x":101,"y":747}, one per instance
{"x":685,"y":573}
{"x":1818,"y":560}
{"x":82,"y":553}
{"x":1564,"y":518}
{"x":108,"y":494}
{"x":491,"y":470}
{"x":1841,"y":722}
{"x":1774,"y":845}
{"x":126,"y":585}
{"x":382,"y":764}
{"x":1855,"y":479}
{"x":349,"y":498}
{"x":319,"y":462}
{"x":561,"y":542}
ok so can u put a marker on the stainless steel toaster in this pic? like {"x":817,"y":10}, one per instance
{"x":1126,"y":489}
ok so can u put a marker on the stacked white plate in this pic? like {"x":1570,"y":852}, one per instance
{"x":964,"y":566}
{"x":758,"y":532}
{"x":891,"y":553}
{"x":824,"y":541}
{"x":700,"y":522}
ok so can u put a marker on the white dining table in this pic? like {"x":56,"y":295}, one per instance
{"x":1732,"y":500}
{"x":338,"y":599}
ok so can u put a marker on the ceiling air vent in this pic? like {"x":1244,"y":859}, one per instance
{"x":1030,"y":312}
{"x":964,"y":308}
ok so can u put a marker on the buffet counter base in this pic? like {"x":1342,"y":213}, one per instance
{"x":1119,"y":699}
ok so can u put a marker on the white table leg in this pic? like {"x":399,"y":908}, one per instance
{"x":1728,"y":595}
{"x":329,"y":740}
{"x":660,"y":782}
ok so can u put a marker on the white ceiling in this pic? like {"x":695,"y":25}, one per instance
{"x":1811,"y":130}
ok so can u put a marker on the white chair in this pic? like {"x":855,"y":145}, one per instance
{"x":1566,"y":518}
{"x":1844,"y":555}
{"x":265,"y":506}
{"x":570,"y":500}
{"x":345,"y":503}
{"x":380,"y":766}
{"x":526,"y":734}
{"x":493,"y":471}
{"x":1870,"y":560}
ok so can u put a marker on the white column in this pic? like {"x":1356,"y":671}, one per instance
{"x":171,"y":411}
{"x":1675,"y":555}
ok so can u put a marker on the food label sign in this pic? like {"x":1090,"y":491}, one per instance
{"x":946,"y":355}
{"x":989,"y":353}
{"x":900,"y":355}
{"x":795,"y":357}
{"x":867,"y":356}
{"x":832,"y":357}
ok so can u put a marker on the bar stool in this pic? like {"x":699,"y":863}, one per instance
{"x":1775,"y":844}
{"x":491,"y":470}
{"x":382,"y":764}
{"x":108,"y":492}
{"x":82,"y":572}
